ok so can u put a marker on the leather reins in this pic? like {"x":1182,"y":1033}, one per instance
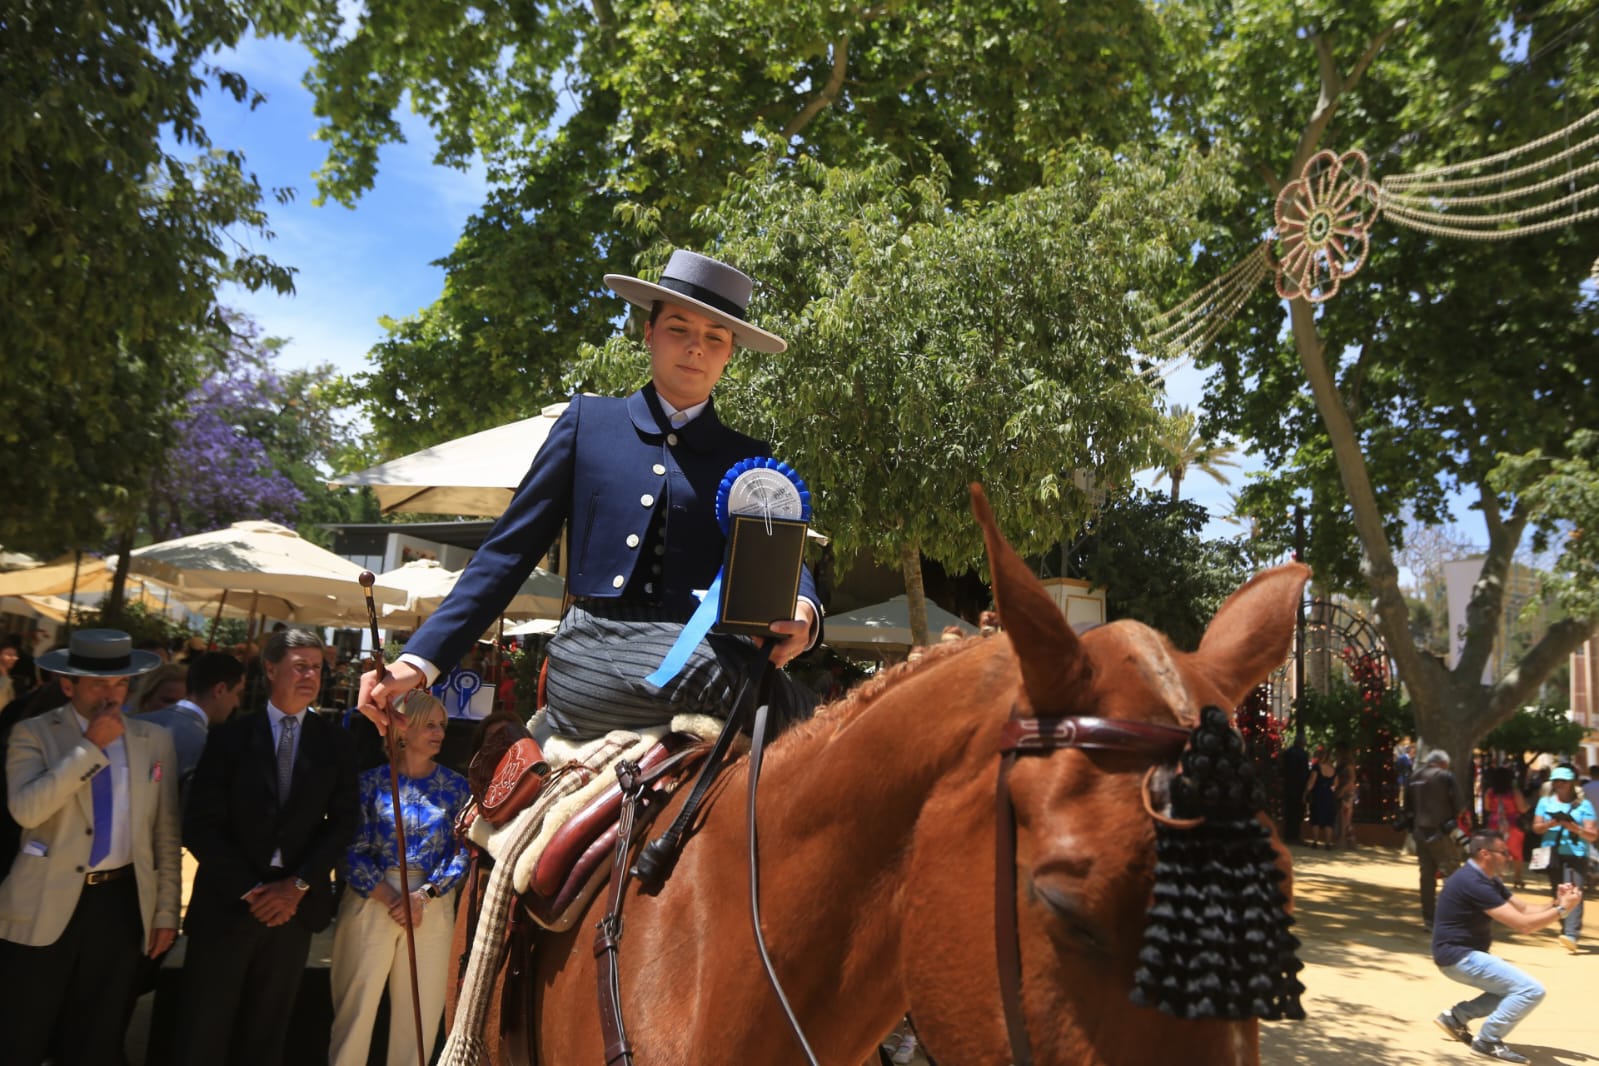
{"x":658,"y":858}
{"x":1040,"y":736}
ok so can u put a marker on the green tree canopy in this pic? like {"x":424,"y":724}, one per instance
{"x":1442,"y":354}
{"x":607,"y":126}
{"x":1534,"y":731}
{"x":1149,"y":555}
{"x":118,"y":220}
{"x":935,"y":344}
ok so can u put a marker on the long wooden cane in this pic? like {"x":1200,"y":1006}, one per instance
{"x":395,"y":743}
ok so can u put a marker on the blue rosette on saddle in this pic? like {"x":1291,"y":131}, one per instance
{"x":764,"y":508}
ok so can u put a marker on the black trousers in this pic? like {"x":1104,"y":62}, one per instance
{"x":76,"y":990}
{"x":1437,"y":854}
{"x":1293,"y":812}
{"x":239,"y":984}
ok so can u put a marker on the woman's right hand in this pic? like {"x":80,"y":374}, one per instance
{"x":379,"y":688}
{"x":398,"y":908}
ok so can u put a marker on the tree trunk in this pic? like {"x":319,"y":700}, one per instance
{"x":1453,"y":709}
{"x":910,"y":564}
{"x":114,"y":600}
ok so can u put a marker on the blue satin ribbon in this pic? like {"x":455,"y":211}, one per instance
{"x":694,"y":631}
{"x":706,"y":614}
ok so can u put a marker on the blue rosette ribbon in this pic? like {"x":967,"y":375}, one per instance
{"x":759,"y":485}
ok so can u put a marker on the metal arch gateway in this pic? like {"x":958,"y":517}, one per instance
{"x":1338,"y":640}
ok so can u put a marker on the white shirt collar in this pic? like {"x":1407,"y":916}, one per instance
{"x":196,"y":710}
{"x":683,"y":417}
{"x":276,"y":716}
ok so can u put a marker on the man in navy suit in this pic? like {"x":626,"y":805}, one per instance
{"x":272,"y":806}
{"x":635,"y":482}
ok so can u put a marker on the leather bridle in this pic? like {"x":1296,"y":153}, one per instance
{"x":1040,"y":736}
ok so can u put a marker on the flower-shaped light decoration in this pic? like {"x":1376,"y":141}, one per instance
{"x":1322,"y":220}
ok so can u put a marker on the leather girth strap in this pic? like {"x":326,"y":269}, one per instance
{"x":1025,"y":736}
{"x":636,"y":796}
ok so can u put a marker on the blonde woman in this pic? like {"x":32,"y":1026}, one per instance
{"x":369,"y":942}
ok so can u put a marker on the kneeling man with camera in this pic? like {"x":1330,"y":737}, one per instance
{"x":1473,"y":899}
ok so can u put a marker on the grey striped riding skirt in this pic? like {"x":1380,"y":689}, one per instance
{"x":600,"y":656}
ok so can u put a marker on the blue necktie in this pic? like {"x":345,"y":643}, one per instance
{"x":100,"y":791}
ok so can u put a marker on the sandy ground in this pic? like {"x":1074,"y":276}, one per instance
{"x":1372,"y":989}
{"x":1372,"y":986}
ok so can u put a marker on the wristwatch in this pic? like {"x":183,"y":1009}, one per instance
{"x":1559,"y":910}
{"x":302,"y":885}
{"x":430,"y":892}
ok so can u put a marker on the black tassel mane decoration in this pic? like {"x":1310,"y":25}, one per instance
{"x":1217,"y":942}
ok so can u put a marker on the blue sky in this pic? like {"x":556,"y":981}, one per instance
{"x":356,"y":265}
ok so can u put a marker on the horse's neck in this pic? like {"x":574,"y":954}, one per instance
{"x":841,"y":798}
{"x":865,"y":771}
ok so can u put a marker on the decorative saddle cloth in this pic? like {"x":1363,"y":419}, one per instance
{"x":580,"y":775}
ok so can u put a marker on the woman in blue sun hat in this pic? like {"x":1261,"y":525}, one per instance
{"x":1566,"y":820}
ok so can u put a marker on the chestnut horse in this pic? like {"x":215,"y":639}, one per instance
{"x":877,"y":832}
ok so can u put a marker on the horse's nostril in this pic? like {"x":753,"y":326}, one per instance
{"x":1073,"y":925}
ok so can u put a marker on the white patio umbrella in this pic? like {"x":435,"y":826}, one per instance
{"x":16,"y":561}
{"x":427,"y":584}
{"x":542,"y":627}
{"x":263,"y":567}
{"x":886,"y":626}
{"x":90,"y":576}
{"x":471,"y":475}
{"x":58,"y":579}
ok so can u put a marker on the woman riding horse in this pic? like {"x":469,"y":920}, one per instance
{"x":634,"y":481}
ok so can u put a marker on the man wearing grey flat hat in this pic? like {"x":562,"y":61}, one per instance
{"x":96,"y":881}
{"x":635,"y":482}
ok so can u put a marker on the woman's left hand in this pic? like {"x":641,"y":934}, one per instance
{"x":796,"y":634}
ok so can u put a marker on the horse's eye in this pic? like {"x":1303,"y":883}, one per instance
{"x":1073,"y":924}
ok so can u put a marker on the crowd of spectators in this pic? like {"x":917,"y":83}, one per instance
{"x":269,"y":804}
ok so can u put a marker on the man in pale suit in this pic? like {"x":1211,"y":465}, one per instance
{"x":96,"y":882}
{"x":215,"y":686}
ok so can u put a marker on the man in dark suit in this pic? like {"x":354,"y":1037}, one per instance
{"x":272,"y":806}
{"x":635,"y":482}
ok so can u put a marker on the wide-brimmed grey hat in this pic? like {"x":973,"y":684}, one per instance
{"x":707,"y":285}
{"x":99,"y":653}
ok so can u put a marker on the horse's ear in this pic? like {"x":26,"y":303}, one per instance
{"x":1054,"y":671}
{"x":1253,"y":632}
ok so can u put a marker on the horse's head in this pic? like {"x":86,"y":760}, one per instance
{"x":1085,"y":850}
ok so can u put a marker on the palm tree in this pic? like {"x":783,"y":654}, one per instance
{"x":1183,"y":448}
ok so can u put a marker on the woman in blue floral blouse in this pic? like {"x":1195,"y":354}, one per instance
{"x":369,"y":941}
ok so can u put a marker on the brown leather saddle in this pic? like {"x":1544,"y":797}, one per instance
{"x":573,"y":867}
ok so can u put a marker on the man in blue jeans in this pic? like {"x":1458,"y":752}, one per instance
{"x":1473,"y":899}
